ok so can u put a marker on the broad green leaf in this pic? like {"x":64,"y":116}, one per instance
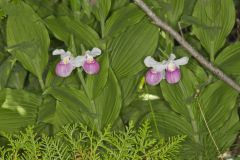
{"x":129,"y":86}
{"x":176,"y":11}
{"x":218,"y":102}
{"x":139,"y":109}
{"x":47,"y":109}
{"x":74,"y":99}
{"x":87,"y":9}
{"x":5,"y":71}
{"x":193,"y":65}
{"x":25,"y":27}
{"x":169,"y":10}
{"x":170,"y":123}
{"x":219,"y":15}
{"x":127,"y":51}
{"x":75,"y":6}
{"x":118,"y":4}
{"x":63,"y":115}
{"x":179,"y":95}
{"x":101,"y":9}
{"x":228,"y":59}
{"x":18,"y":108}
{"x":17,"y":77}
{"x":33,"y":84}
{"x":64,"y":27}
{"x":108,"y":103}
{"x":118,"y":22}
{"x":43,"y":8}
{"x":189,"y":6}
{"x":96,"y":83}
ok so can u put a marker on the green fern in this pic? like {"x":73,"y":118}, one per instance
{"x":77,"y":142}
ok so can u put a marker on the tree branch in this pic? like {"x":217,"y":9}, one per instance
{"x":221,"y":75}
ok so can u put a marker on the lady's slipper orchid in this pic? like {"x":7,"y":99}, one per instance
{"x":156,"y":73}
{"x":173,"y":74}
{"x":87,"y":61}
{"x":68,"y":63}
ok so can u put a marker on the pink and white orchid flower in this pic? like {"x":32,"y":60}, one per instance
{"x":68,"y":63}
{"x":173,"y":74}
{"x":156,"y":73}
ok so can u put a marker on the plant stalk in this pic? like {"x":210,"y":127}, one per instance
{"x":42,"y":85}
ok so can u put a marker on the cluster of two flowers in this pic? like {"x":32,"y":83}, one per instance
{"x":169,"y":69}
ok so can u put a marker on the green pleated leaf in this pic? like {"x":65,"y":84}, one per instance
{"x":169,"y":123}
{"x":118,"y":4}
{"x":96,"y":83}
{"x":180,"y":95}
{"x":17,"y":77}
{"x":128,"y":51}
{"x":64,"y":27}
{"x":27,"y":37}
{"x":108,"y":103}
{"x":169,"y":10}
{"x":228,"y":59}
{"x":129,"y":86}
{"x":218,"y":102}
{"x":5,"y":71}
{"x":219,"y":16}
{"x":63,"y":115}
{"x":18,"y":108}
{"x":74,"y":99}
{"x":175,"y":12}
{"x":118,"y":22}
{"x":101,"y":9}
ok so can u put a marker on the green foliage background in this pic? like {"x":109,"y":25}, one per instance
{"x":31,"y":93}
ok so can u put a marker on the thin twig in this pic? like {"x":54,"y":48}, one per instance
{"x":157,"y":21}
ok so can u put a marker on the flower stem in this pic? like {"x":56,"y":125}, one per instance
{"x":153,"y":115}
{"x":79,"y":72}
{"x":42,"y":85}
{"x":92,"y":103}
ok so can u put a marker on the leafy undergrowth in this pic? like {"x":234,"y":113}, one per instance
{"x":78,"y":142}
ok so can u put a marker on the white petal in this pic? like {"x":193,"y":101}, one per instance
{"x":181,"y":61}
{"x":58,"y":52}
{"x":150,"y":62}
{"x":171,"y":57}
{"x":66,"y":54}
{"x":94,"y":52}
{"x":78,"y":61}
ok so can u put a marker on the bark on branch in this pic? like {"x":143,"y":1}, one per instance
{"x":215,"y":70}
